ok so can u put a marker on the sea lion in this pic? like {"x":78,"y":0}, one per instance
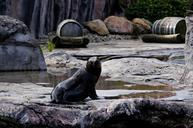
{"x":79,"y":86}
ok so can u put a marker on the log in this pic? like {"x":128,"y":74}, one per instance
{"x":70,"y":41}
{"x":174,"y":38}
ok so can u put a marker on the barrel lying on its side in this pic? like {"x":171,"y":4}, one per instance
{"x":167,"y":30}
{"x":70,"y":34}
{"x":170,"y":25}
{"x":69,"y":28}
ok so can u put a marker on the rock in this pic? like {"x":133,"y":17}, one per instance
{"x":138,"y":29}
{"x":128,"y":61}
{"x":126,"y":49}
{"x":62,"y":59}
{"x":143,"y":22}
{"x":21,"y":56}
{"x":142,"y":26}
{"x":142,"y":71}
{"x":18,"y":51}
{"x":97,"y":26}
{"x":124,"y":113}
{"x":119,"y":25}
{"x":10,"y":26}
{"x":188,"y":50}
{"x":27,"y":105}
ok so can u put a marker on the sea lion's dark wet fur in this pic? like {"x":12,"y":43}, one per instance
{"x":80,"y":86}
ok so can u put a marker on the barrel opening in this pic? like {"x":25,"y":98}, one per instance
{"x":181,"y":27}
{"x":69,"y":28}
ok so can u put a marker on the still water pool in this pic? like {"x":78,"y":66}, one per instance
{"x":109,"y":89}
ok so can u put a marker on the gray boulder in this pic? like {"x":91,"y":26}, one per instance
{"x":10,"y":28}
{"x":19,"y":56}
{"x":18,"y":50}
{"x":59,"y":58}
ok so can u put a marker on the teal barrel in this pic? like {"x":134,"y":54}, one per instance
{"x":170,"y":25}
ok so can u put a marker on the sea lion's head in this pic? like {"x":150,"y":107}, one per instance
{"x":94,"y":66}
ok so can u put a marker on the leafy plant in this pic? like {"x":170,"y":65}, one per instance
{"x":50,"y":46}
{"x":157,"y":9}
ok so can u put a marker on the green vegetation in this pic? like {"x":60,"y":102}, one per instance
{"x":50,"y":45}
{"x":157,"y":9}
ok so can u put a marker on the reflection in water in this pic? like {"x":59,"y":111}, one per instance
{"x":153,"y":94}
{"x":149,"y":87}
{"x":43,"y":78}
{"x":53,"y":77}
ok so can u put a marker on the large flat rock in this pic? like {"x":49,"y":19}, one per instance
{"x":143,"y":71}
{"x":125,"y":48}
{"x":152,"y":96}
{"x":27,"y":105}
{"x":131,"y":61}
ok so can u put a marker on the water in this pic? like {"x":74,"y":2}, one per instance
{"x":52,"y":78}
{"x":104,"y":87}
{"x":43,"y":78}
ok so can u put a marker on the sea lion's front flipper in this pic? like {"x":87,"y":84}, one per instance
{"x":92,"y":93}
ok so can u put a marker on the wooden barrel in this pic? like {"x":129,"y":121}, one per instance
{"x":170,"y":25}
{"x":69,"y":28}
{"x":70,"y":34}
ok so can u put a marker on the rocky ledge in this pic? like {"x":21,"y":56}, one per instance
{"x":131,"y":61}
{"x":27,"y":105}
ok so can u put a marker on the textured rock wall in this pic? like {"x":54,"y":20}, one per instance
{"x":42,"y":16}
{"x":188,"y":49}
